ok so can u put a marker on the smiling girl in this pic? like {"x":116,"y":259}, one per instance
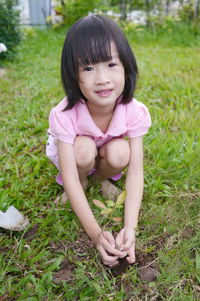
{"x":87,"y":128}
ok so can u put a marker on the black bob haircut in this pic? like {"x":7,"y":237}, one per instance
{"x":88,"y":42}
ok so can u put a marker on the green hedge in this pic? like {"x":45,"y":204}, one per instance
{"x":9,"y":27}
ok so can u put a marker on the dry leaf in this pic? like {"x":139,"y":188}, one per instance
{"x":106,"y":211}
{"x":121,"y":198}
{"x":117,"y":219}
{"x":99,"y":204}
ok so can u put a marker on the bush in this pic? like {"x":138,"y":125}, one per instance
{"x":166,"y":31}
{"x":9,"y":27}
{"x":72,"y":10}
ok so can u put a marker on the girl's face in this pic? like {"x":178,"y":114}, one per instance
{"x":102,"y":83}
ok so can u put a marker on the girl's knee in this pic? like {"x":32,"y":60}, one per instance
{"x":117,"y":153}
{"x":85,"y":151}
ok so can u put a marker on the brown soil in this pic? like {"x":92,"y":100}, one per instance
{"x":146,"y":263}
{"x":81,"y":248}
{"x":65,"y":273}
{"x":30,"y":234}
{"x":188,"y":232}
{"x":148,"y":274}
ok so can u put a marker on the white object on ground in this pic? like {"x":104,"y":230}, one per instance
{"x":12,"y":219}
{"x":3,"y":47}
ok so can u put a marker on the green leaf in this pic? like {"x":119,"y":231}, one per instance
{"x":121,"y":198}
{"x":110,"y":203}
{"x":106,"y":211}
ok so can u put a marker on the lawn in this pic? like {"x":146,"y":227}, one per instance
{"x":53,"y":259}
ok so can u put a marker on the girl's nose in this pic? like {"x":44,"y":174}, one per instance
{"x":101,"y":77}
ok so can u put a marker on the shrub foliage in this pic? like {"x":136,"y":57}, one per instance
{"x":9,"y":27}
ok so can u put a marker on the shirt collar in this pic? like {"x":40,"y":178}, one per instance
{"x":87,"y":125}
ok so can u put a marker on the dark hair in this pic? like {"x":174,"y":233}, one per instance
{"x":88,"y":42}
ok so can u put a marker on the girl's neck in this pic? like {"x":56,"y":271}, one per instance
{"x":99,"y":112}
{"x":101,"y":116}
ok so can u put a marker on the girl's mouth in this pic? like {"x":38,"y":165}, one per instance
{"x":104,"y":93}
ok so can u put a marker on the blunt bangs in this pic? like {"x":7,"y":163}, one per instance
{"x":92,"y":45}
{"x":88,"y":42}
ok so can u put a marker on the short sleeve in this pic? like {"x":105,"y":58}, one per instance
{"x":61,"y":126}
{"x":139,"y":120}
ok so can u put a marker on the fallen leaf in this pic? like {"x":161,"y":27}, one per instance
{"x":117,"y":219}
{"x":121,"y":198}
{"x":99,"y":204}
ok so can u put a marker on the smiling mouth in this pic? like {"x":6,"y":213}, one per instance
{"x":104,"y":93}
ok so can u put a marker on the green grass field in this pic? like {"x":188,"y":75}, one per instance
{"x":53,"y":259}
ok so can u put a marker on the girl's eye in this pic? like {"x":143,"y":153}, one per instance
{"x":87,"y":68}
{"x":111,"y":65}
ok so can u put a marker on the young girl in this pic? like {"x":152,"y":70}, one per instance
{"x":87,"y":128}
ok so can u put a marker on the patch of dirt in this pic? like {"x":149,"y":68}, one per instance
{"x":159,"y":241}
{"x":80,"y":247}
{"x":146,"y":263}
{"x":120,"y":268}
{"x":65,"y":273}
{"x":143,"y":259}
{"x":188,"y":232}
{"x":30,"y":234}
{"x":128,"y":287}
{"x":148,"y":274}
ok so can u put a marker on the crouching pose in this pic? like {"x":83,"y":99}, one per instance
{"x":87,"y":128}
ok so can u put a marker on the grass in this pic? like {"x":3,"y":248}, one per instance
{"x":168,"y":227}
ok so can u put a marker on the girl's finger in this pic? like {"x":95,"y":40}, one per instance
{"x":112,"y":250}
{"x":131,"y":254}
{"x":109,"y":238}
{"x":119,"y":240}
{"x":130,"y":259}
{"x":127,"y":244}
{"x":108,"y":260}
{"x":128,"y":240}
{"x":114,"y":264}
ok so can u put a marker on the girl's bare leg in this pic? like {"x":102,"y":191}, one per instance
{"x":113,"y":158}
{"x":85,"y":153}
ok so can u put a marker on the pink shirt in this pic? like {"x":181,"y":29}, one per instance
{"x":132,"y":120}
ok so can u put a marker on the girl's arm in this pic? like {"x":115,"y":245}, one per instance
{"x":80,"y":205}
{"x":134,"y":183}
{"x":125,"y":240}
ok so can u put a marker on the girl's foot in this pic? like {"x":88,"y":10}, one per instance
{"x":109,"y":191}
{"x":61,"y":200}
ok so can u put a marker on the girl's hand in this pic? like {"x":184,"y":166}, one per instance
{"x":105,"y":243}
{"x":125,"y":241}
